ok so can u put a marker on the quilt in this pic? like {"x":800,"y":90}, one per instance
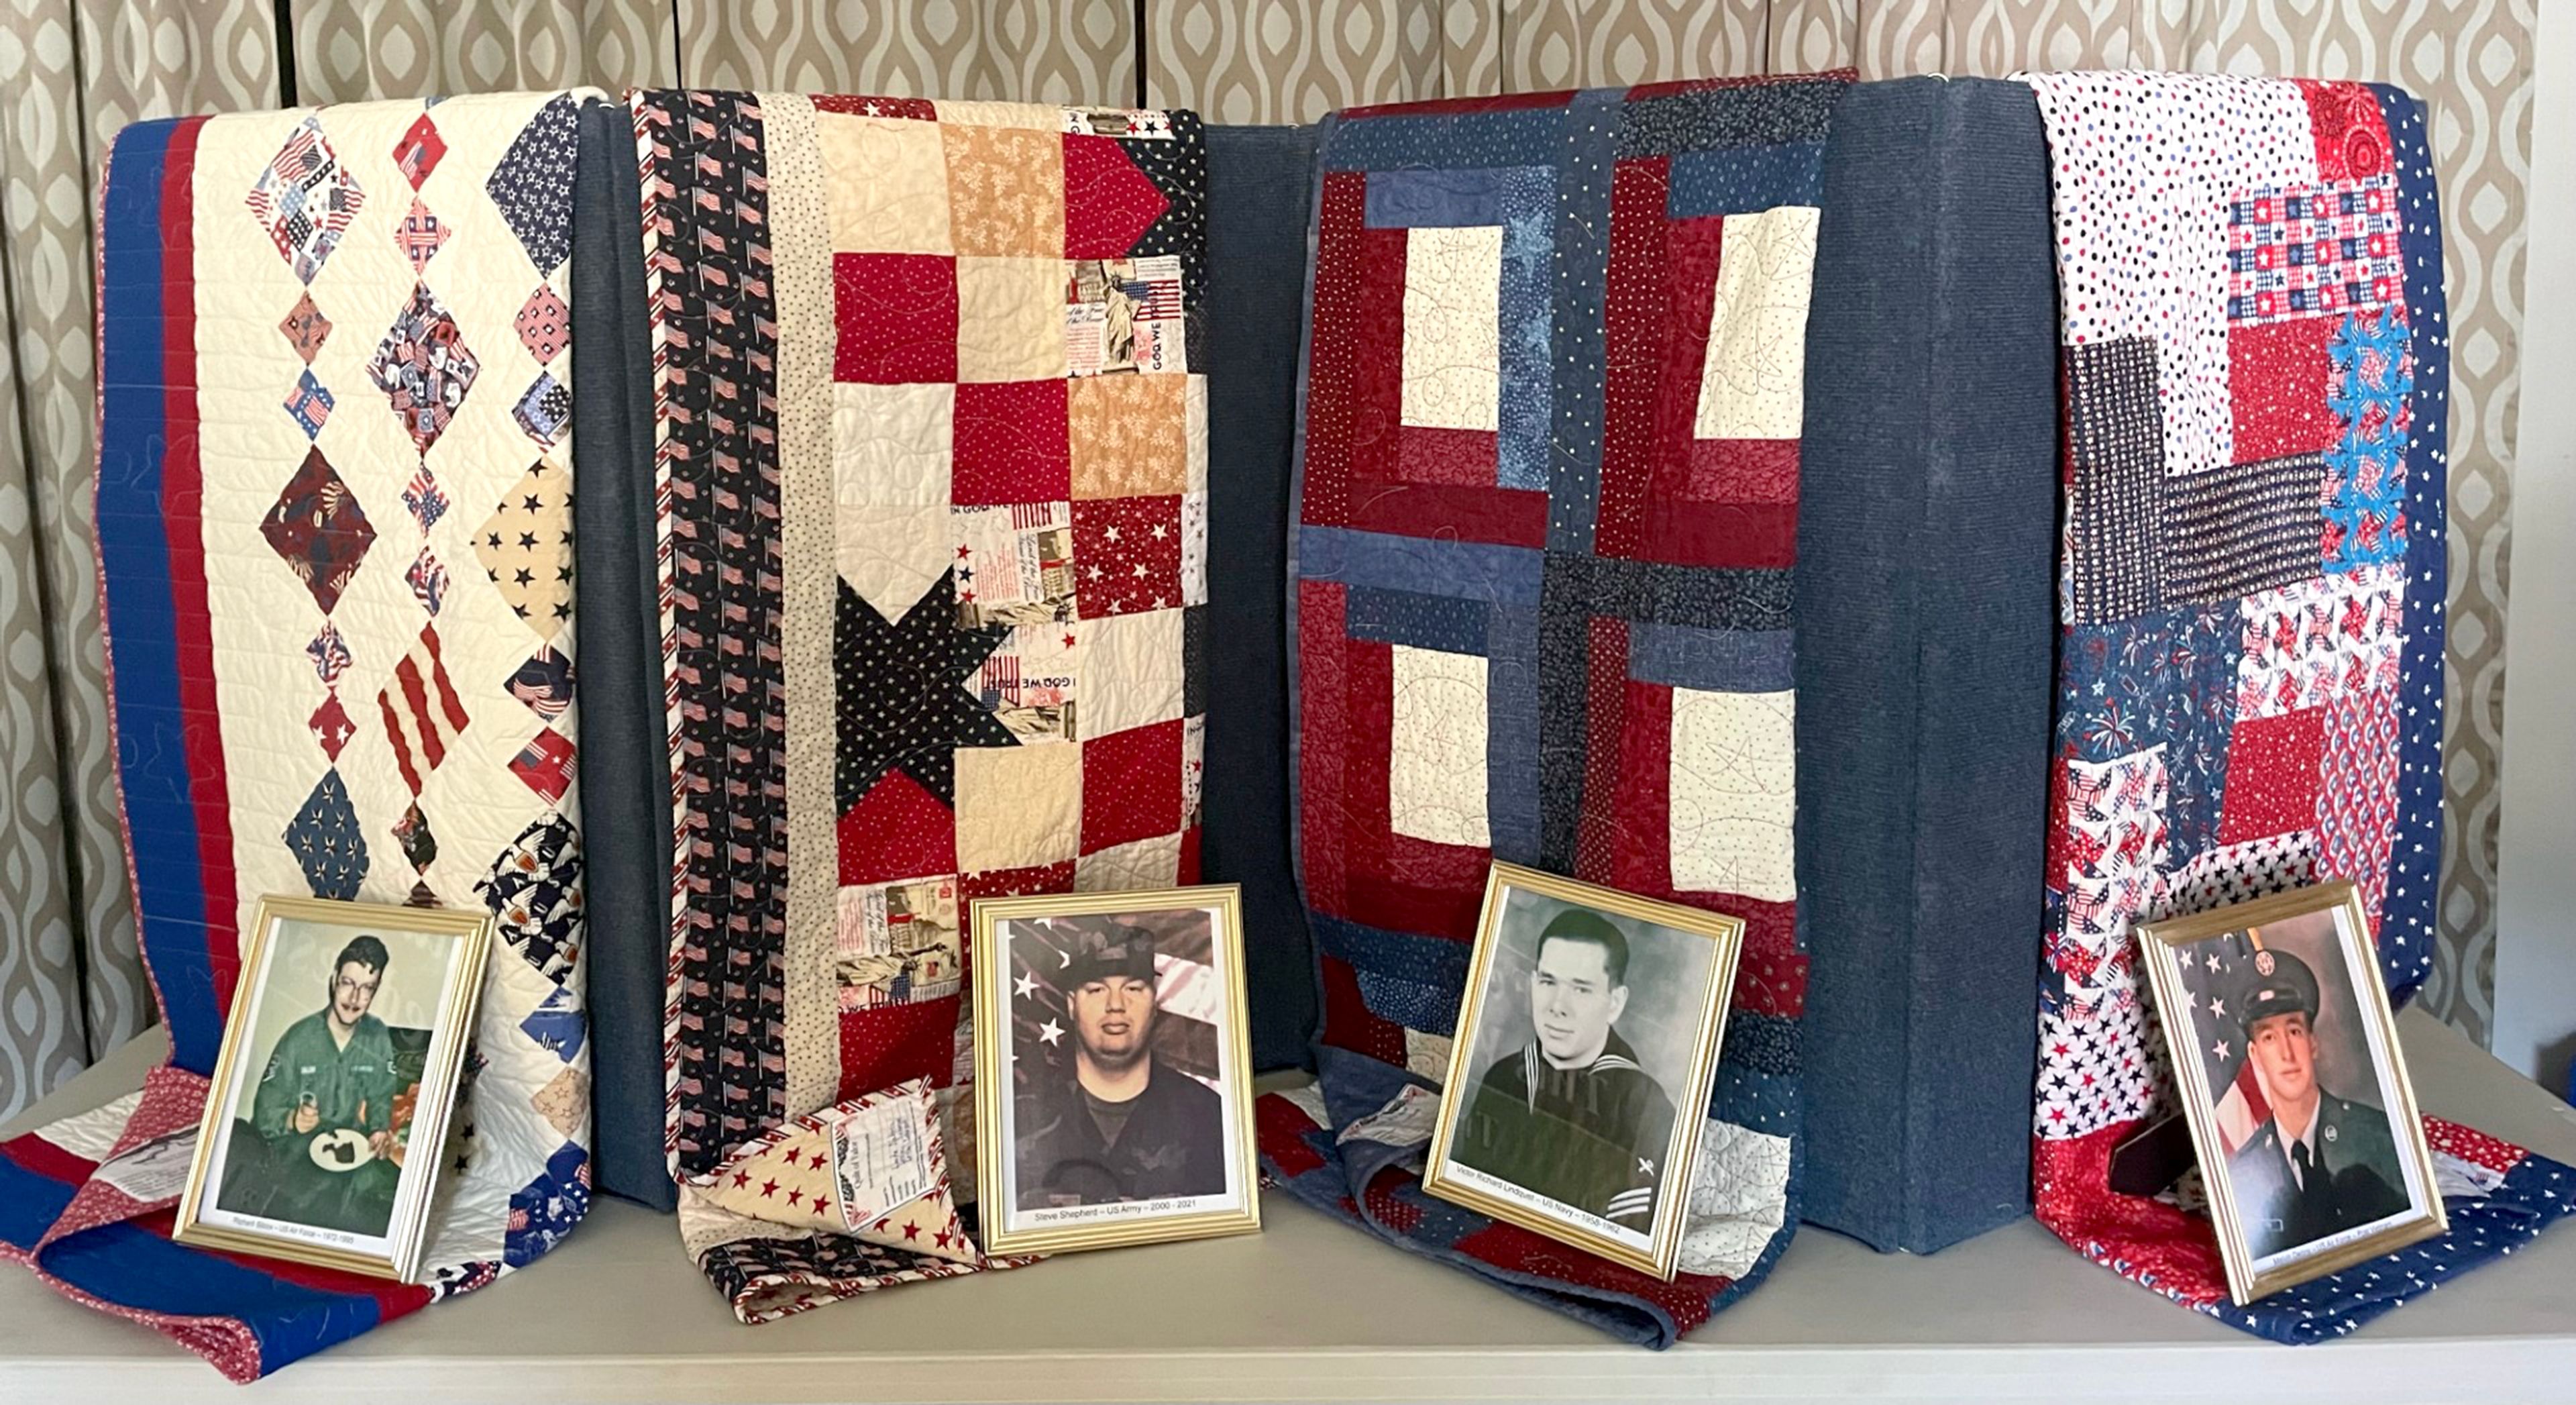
{"x":1545,"y":517}
{"x":336,"y":579}
{"x":932,"y":472}
{"x":2255,"y":364}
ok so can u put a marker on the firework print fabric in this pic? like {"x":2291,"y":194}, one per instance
{"x":2256,"y":364}
{"x":314,"y":328}
{"x":1545,"y":518}
{"x":931,"y":455}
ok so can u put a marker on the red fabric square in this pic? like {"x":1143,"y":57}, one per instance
{"x":1689,"y":273}
{"x":1131,"y":785}
{"x":897,"y":830}
{"x":1108,"y":203}
{"x":2276,"y":379}
{"x":2350,"y":134}
{"x":1013,"y":444}
{"x":1126,"y":556}
{"x":1642,"y":860}
{"x":2272,"y":776}
{"x":897,"y":316}
{"x":1377,"y":380}
{"x":1745,"y":535}
{"x":1465,"y":458}
{"x":1015,"y":882}
{"x":1321,"y":717}
{"x":887,"y":1045}
{"x":1741,"y":470}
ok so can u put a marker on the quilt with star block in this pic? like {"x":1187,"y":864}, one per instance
{"x":1545,"y":519}
{"x":2256,"y":370}
{"x":931,"y":457}
{"x":335,"y":562}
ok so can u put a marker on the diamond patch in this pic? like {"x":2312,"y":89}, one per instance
{"x":330,"y":654}
{"x":543,"y":411}
{"x":418,"y":152}
{"x":545,"y":324}
{"x":428,"y":581}
{"x":544,"y":683}
{"x":424,"y":367}
{"x":306,"y":328}
{"x":411,"y":833}
{"x":424,"y":499}
{"x":331,"y":726}
{"x":310,"y":405}
{"x":324,"y":835}
{"x":419,"y":236}
{"x":532,"y":185}
{"x":305,"y":200}
{"x":318,"y":529}
{"x":545,"y":763}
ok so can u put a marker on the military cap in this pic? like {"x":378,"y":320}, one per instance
{"x":2283,"y":984}
{"x":1101,"y":953}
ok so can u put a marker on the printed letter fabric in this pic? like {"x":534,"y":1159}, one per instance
{"x":932,"y":466}
{"x":334,"y":512}
{"x":2256,"y":369}
{"x":1545,"y":523}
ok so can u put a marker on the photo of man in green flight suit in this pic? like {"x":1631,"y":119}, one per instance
{"x":317,"y":1148}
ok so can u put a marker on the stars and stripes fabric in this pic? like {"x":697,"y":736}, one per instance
{"x":1543,"y":530}
{"x":312,"y":685}
{"x":931,"y":465}
{"x":2255,"y":365}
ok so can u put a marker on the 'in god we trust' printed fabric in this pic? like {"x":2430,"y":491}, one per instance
{"x":2256,"y":366}
{"x":931,"y":457}
{"x":335,"y":560}
{"x":1545,"y":521}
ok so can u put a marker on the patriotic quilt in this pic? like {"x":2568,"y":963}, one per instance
{"x":931,"y":460}
{"x":1544,"y":529}
{"x":2250,"y":672}
{"x":336,"y":577}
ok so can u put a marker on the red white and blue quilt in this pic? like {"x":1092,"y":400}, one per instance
{"x":1544,"y":524}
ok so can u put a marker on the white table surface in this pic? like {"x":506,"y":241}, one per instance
{"x":1311,"y":1310}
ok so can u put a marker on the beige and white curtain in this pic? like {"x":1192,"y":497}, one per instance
{"x":74,"y":71}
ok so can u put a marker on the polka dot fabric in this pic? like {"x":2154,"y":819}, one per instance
{"x":2249,"y":293}
{"x":945,"y":515}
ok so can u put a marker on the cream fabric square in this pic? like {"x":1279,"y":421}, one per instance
{"x":1754,"y":383}
{"x":1453,"y":291}
{"x":1436,"y":759}
{"x":892,"y":443}
{"x":1734,"y":793}
{"x":1131,"y":671}
{"x":1739,"y":1194}
{"x":885,"y":184}
{"x":889,"y":552}
{"x":1018,"y":806}
{"x":1197,"y":405}
{"x":1146,"y":863}
{"x":1010,"y":319}
{"x":1026,"y":116}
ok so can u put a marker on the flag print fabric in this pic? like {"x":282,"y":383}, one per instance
{"x":931,"y":458}
{"x":1545,"y":519}
{"x":335,"y":570}
{"x":2255,"y":363}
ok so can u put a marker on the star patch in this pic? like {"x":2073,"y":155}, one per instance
{"x":903,"y":701}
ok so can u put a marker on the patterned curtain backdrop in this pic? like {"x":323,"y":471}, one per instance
{"x":72,"y":72}
{"x":358,"y":50}
{"x":1062,"y":51}
{"x":1294,"y":60}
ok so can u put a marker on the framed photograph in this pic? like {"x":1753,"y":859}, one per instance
{"x":2286,"y":1060}
{"x":1113,"y":1070}
{"x":328,"y":1109}
{"x":1582,"y":1066}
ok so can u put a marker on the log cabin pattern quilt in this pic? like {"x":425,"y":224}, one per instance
{"x":1544,"y":528}
{"x":2256,"y":366}
{"x":335,"y":570}
{"x":931,"y":465}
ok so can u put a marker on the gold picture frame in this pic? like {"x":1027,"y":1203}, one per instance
{"x":248,"y":1188}
{"x":1090,"y":1206}
{"x":1691,"y":1063}
{"x":2313,"y":1217}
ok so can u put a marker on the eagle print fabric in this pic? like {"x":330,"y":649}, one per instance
{"x":334,"y":532}
{"x":2255,"y":364}
{"x":931,"y":455}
